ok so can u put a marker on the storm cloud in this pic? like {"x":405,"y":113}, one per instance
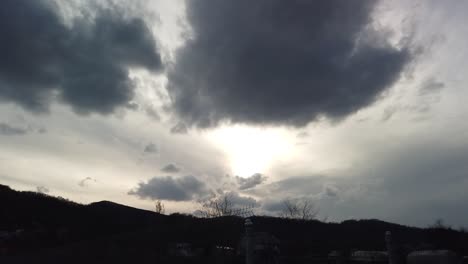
{"x":281,"y":62}
{"x":170,"y":188}
{"x":84,"y":65}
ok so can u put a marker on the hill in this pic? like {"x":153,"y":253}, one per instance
{"x":41,"y":224}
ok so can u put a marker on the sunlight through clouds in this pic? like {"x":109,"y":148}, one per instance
{"x":252,"y":150}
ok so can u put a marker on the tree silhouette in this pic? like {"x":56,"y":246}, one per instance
{"x":159,"y":207}
{"x":303,"y":209}
{"x":221,"y":206}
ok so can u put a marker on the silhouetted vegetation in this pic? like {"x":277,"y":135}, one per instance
{"x":299,"y":209}
{"x":52,"y":226}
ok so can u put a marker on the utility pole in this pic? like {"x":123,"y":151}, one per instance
{"x":249,"y":243}
{"x":391,"y":251}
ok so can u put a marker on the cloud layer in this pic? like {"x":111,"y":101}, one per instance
{"x":85,"y":65}
{"x":281,"y":62}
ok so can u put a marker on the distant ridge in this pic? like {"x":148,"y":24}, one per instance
{"x":108,"y":205}
{"x":53,"y":221}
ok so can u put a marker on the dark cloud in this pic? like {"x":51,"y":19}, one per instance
{"x":151,"y":148}
{"x":84,"y":65}
{"x":250,"y":182}
{"x":170,"y":188}
{"x":42,"y":189}
{"x":180,"y":128}
{"x":170,"y":168}
{"x":281,"y":62}
{"x":84,"y":182}
{"x":9,"y":130}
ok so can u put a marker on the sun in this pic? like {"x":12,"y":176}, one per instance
{"x":252,"y":150}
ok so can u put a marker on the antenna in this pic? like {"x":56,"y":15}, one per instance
{"x":244,"y":212}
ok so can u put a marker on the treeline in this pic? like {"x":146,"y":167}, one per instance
{"x":57,"y":222}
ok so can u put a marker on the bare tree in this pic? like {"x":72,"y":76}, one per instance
{"x":221,"y":206}
{"x":159,"y":207}
{"x":299,"y":209}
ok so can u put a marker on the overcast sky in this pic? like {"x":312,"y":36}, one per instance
{"x":359,"y":106}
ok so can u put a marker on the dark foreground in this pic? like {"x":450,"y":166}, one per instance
{"x":36,"y":228}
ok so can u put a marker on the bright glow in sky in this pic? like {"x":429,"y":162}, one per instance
{"x":252,"y":150}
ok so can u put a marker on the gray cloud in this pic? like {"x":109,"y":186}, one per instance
{"x":84,"y":182}
{"x":84,"y":65}
{"x":170,"y":168}
{"x":179,"y":128}
{"x":8,"y":130}
{"x":281,"y":62}
{"x":330,"y":190}
{"x":424,"y":181}
{"x":151,"y":148}
{"x":170,"y":188}
{"x":389,"y":112}
{"x":42,"y":189}
{"x":430,"y":86}
{"x":420,"y":180}
{"x":250,"y":182}
{"x":239,"y":201}
{"x":133,"y":106}
{"x":273,"y":206}
{"x":298,"y":185}
{"x":152,"y":112}
{"x":429,"y":94}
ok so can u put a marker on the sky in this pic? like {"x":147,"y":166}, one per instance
{"x":357,"y":106}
